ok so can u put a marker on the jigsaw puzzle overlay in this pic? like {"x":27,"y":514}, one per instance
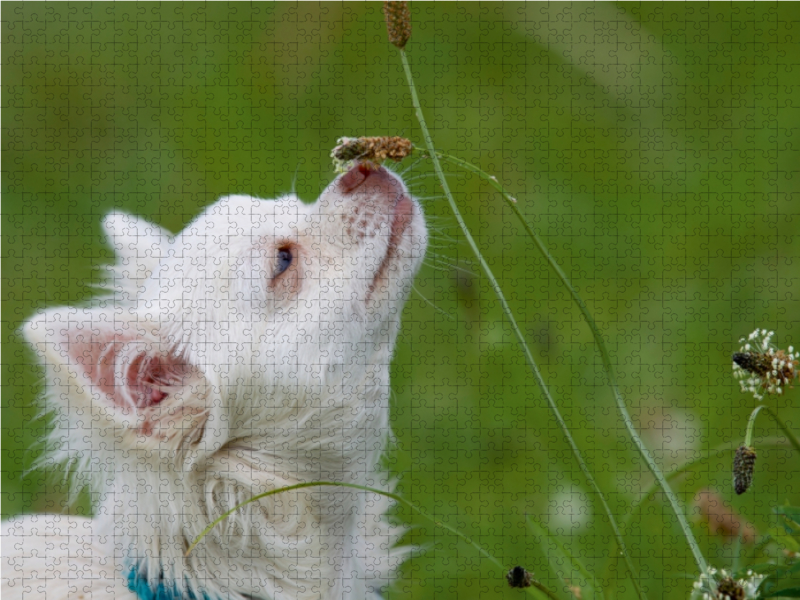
{"x":654,"y":148}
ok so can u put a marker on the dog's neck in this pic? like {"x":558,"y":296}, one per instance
{"x":143,"y":586}
{"x":269,"y":547}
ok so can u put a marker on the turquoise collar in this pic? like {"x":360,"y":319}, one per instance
{"x":138,"y":583}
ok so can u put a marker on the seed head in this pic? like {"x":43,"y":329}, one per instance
{"x":744,"y":464}
{"x":730,"y":589}
{"x":369,"y":150}
{"x":518,"y":577}
{"x":761,"y":368}
{"x":398,"y":22}
{"x":753,"y":362}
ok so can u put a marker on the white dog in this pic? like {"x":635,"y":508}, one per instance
{"x":247,"y":353}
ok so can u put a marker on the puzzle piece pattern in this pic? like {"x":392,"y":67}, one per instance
{"x":654,"y":147}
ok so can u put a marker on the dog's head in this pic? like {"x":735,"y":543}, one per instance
{"x":259,"y":313}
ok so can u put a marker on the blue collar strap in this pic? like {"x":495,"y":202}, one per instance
{"x":138,"y":583}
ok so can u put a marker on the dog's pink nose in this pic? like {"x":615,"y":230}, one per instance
{"x":356,"y":176}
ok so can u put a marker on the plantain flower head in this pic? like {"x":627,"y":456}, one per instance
{"x":720,"y":585}
{"x":761,"y":368}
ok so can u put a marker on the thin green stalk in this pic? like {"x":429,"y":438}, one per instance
{"x":748,"y":438}
{"x":685,"y":468}
{"x":737,"y":551}
{"x":299,"y":486}
{"x":748,"y":435}
{"x":604,"y":355}
{"x":543,"y":589}
{"x":528,"y":356}
{"x":362,"y":488}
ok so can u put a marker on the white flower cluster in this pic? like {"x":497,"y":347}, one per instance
{"x":716,"y":585}
{"x":761,"y":368}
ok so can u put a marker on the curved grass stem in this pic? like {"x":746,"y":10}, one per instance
{"x":528,"y":356}
{"x":748,"y":438}
{"x":605,"y":357}
{"x":751,"y":422}
{"x":299,"y":486}
{"x":685,"y":468}
{"x":363,"y":488}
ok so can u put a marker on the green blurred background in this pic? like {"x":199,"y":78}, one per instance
{"x":656,"y":147}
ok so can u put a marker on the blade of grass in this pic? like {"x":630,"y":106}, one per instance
{"x":562,"y":551}
{"x":397,"y":498}
{"x":605,"y":357}
{"x":528,"y":356}
{"x":684,"y":468}
{"x":299,"y":486}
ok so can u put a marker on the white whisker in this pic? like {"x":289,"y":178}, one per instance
{"x":436,"y":308}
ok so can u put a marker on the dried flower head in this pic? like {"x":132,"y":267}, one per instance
{"x":760,"y":368}
{"x":744,"y":464}
{"x":518,"y":577}
{"x":398,"y":22}
{"x":369,"y":150}
{"x":728,"y":588}
{"x":722,"y":519}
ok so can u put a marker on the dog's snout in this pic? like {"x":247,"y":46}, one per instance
{"x":363,"y":173}
{"x":354,"y":178}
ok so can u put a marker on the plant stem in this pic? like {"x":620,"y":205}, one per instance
{"x":528,"y":356}
{"x":748,"y":435}
{"x":748,"y":438}
{"x":299,"y":486}
{"x":543,"y":589}
{"x":685,"y":468}
{"x":605,"y":357}
{"x":363,"y":488}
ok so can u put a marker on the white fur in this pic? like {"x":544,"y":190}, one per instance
{"x":206,"y":379}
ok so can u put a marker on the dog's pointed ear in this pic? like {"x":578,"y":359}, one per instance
{"x":139,"y":245}
{"x":95,"y":355}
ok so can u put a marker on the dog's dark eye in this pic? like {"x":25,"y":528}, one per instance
{"x":284,"y":260}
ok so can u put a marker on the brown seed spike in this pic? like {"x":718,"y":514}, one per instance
{"x":744,"y":464}
{"x":519,"y":578}
{"x":371,"y":151}
{"x":398,"y":22}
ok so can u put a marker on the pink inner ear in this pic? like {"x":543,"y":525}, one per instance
{"x":127,"y":369}
{"x":147,"y":377}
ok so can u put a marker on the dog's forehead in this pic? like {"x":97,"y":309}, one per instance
{"x":245,"y":217}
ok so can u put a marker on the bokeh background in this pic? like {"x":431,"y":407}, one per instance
{"x":656,"y":147}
